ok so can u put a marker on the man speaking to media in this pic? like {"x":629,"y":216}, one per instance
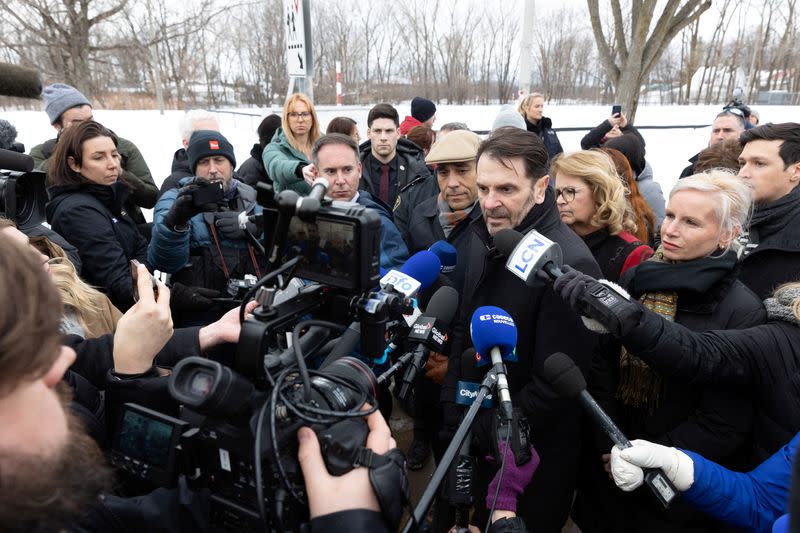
{"x":513,"y":193}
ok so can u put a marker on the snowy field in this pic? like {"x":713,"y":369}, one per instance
{"x":158,"y":137}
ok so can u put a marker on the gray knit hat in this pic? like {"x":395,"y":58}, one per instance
{"x":59,"y":97}
{"x":509,"y":116}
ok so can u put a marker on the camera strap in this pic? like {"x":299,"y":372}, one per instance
{"x":387,"y":474}
{"x":214,"y":237}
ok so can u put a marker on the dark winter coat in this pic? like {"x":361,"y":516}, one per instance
{"x":544,"y":129}
{"x":252,"y":170}
{"x":93,"y":218}
{"x":40,"y":230}
{"x":180,"y":169}
{"x":192,"y":256}
{"x":712,"y":421}
{"x":772,"y":255}
{"x":689,"y":170}
{"x":765,"y":359}
{"x":284,"y":164}
{"x":393,"y":249}
{"x":545,"y":325}
{"x":424,"y":229}
{"x":135,"y":174}
{"x":596,"y":136}
{"x":616,"y":253}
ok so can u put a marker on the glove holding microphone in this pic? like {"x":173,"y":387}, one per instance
{"x":627,"y":465}
{"x":604,"y":306}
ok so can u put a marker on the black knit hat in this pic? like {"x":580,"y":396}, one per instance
{"x":207,"y":143}
{"x":632,"y":148}
{"x":422,"y":109}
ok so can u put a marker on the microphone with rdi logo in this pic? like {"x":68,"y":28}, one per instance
{"x":447,"y":254}
{"x":494,"y":333}
{"x":431,"y":333}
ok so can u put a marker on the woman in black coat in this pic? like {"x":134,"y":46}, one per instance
{"x":86,"y":207}
{"x":532,"y":110}
{"x":691,"y":280}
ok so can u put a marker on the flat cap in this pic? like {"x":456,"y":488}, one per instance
{"x":456,"y":146}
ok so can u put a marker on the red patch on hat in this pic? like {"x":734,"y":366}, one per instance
{"x":214,"y":145}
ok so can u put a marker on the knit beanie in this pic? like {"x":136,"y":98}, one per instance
{"x":632,"y":148}
{"x":509,"y":116}
{"x":59,"y":97}
{"x":422,"y":109}
{"x":207,"y":143}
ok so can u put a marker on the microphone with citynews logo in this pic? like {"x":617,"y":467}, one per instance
{"x":494,"y":336}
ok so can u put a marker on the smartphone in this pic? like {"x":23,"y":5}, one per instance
{"x":208,"y":192}
{"x":616,"y":109}
{"x":135,"y":277}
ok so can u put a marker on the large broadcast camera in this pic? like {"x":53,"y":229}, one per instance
{"x":22,"y":190}
{"x":235,"y":436}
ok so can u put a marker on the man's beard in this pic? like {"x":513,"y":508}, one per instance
{"x":48,"y":493}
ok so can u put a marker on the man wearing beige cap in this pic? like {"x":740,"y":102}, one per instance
{"x":446,"y":217}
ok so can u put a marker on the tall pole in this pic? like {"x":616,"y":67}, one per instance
{"x":338,"y":84}
{"x":526,"y":52}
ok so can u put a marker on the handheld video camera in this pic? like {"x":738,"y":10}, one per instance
{"x":23,"y":195}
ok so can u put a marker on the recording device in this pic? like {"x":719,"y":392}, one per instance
{"x":135,"y":277}
{"x":430,"y":333}
{"x":737,"y":103}
{"x":532,"y":257}
{"x":207,"y":192}
{"x":238,"y":288}
{"x":447,"y":255}
{"x":23,"y":194}
{"x":19,"y":81}
{"x":616,"y":109}
{"x":568,"y":381}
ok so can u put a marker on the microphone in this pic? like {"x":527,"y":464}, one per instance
{"x":447,"y":255}
{"x":529,"y":255}
{"x":430,"y":332}
{"x":493,"y":332}
{"x":471,"y":377}
{"x":308,"y":206}
{"x":19,"y":81}
{"x":15,"y":161}
{"x":568,"y":381}
{"x":418,"y":273}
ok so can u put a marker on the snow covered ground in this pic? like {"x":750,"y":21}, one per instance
{"x":157,"y":136}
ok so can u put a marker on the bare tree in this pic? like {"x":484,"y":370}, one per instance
{"x":639,"y":48}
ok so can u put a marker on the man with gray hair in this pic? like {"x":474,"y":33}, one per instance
{"x":729,"y":124}
{"x":192,"y":121}
{"x":66,"y":106}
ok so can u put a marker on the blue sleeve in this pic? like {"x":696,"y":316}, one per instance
{"x":393,"y":248}
{"x":752,"y":500}
{"x":168,"y":250}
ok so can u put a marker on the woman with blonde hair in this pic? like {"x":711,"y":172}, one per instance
{"x":690,"y":280}
{"x":591,"y":200}
{"x":87,"y":312}
{"x":532,"y":110}
{"x":287,"y":158}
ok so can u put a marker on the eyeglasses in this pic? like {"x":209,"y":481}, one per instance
{"x":304,"y":114}
{"x":568,"y":193}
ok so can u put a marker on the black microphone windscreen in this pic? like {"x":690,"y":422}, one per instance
{"x":469,"y":369}
{"x":506,"y":240}
{"x":443,"y":305}
{"x":564,"y":375}
{"x":15,"y":161}
{"x":19,"y":81}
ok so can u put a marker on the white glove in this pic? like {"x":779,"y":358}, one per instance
{"x":627,"y":464}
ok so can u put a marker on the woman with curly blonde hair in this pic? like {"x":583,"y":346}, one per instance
{"x":591,"y":199}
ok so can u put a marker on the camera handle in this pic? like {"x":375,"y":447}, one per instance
{"x":425,"y":501}
{"x":287,"y":204}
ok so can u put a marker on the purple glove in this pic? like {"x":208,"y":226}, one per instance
{"x":515,"y":479}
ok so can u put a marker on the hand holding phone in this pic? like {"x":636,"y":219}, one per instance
{"x":616,"y":109}
{"x":135,"y":277}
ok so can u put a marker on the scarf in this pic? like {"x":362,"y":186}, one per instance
{"x":657,"y":282}
{"x":781,"y":306}
{"x":769,"y":219}
{"x":449,"y":218}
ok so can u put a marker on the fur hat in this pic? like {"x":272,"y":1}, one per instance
{"x":59,"y":97}
{"x":207,"y":143}
{"x":422,"y":109}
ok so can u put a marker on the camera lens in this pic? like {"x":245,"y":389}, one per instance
{"x":359,"y":377}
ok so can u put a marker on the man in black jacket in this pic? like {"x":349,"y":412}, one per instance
{"x":393,"y":169}
{"x":513,"y":193}
{"x":770,"y":163}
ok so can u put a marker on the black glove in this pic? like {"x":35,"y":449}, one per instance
{"x":184,"y":208}
{"x":598,"y":301}
{"x":186,"y":298}
{"x":227,"y":222}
